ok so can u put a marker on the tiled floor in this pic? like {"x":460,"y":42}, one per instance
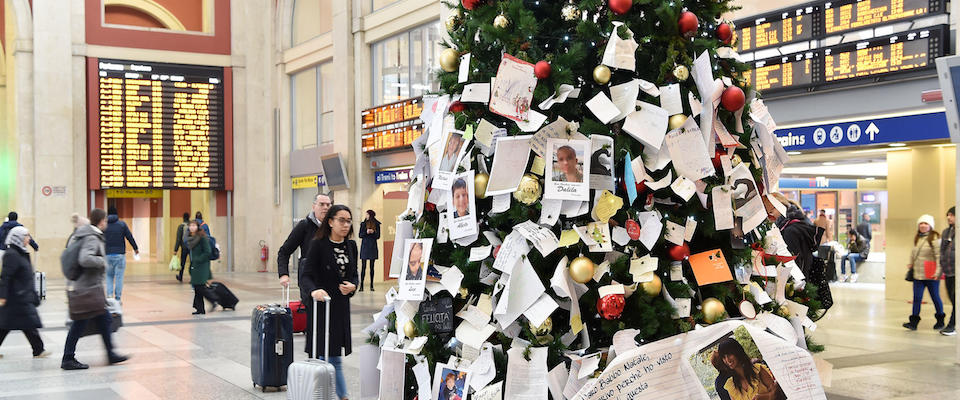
{"x":178,"y":356}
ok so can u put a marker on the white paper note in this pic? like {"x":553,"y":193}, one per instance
{"x":526,"y":380}
{"x":554,"y":130}
{"x":624,"y":96}
{"x":476,"y":93}
{"x":557,"y":379}
{"x":422,"y":372}
{"x":540,"y":310}
{"x":684,"y":188}
{"x":722,"y":207}
{"x":479,"y":253}
{"x":620,"y":53}
{"x":674,"y":233}
{"x":509,"y":164}
{"x":603,"y":108}
{"x":688,"y":152}
{"x":648,"y":125}
{"x":560,"y":96}
{"x":670,"y":99}
{"x":464,"y":70}
{"x":527,"y":289}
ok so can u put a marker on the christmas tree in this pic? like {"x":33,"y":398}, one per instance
{"x":616,"y":137}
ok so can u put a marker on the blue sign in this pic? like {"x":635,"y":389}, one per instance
{"x":906,"y":128}
{"x":817,"y":183}
{"x":396,"y":175}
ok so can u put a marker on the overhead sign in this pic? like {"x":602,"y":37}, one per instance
{"x":134,"y":193}
{"x":817,"y":183}
{"x":396,"y":175}
{"x":778,"y":28}
{"x":907,"y":128}
{"x":847,"y":15}
{"x":391,"y":126}
{"x":306,"y":182}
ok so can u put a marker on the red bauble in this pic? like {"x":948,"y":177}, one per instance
{"x":620,"y":7}
{"x":678,"y":253}
{"x":725,"y":33}
{"x":688,"y":23}
{"x":430,"y":207}
{"x":732,"y":99}
{"x":611,"y":306}
{"x":542,"y":70}
{"x":716,"y":158}
{"x":457,"y":107}
{"x":470,"y":4}
{"x":633,"y":229}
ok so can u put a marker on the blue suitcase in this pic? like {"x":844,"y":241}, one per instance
{"x":271,"y":345}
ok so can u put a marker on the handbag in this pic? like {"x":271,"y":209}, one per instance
{"x":86,"y":303}
{"x":930,"y":269}
{"x":818,"y":277}
{"x":909,"y":277}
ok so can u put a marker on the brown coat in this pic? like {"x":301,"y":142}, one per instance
{"x":823,"y":222}
{"x":924,"y":251}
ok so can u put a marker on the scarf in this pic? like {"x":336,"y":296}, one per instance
{"x":194,"y":240}
{"x":15,"y":237}
{"x":313,"y":218}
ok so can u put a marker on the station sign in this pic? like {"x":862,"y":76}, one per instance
{"x":391,"y":176}
{"x":907,"y":128}
{"x":817,"y":183}
{"x":306,"y":182}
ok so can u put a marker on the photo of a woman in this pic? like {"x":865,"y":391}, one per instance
{"x":566,"y":166}
{"x":748,"y":380}
{"x":461,"y":198}
{"x":414,"y":263}
{"x":451,"y":152}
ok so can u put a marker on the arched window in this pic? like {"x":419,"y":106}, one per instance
{"x":311,"y":18}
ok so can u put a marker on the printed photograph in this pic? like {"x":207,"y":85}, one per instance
{"x":451,"y":152}
{"x":568,"y":169}
{"x":415,"y":260}
{"x":567,"y":164}
{"x":451,"y":383}
{"x":732,"y":368}
{"x":461,"y":206}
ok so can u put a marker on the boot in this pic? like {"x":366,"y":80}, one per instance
{"x":72,"y":363}
{"x":115,"y":358}
{"x":939,"y":325}
{"x":912,"y":325}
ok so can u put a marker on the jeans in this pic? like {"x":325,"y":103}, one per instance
{"x":951,"y":282}
{"x":116,"y":263}
{"x":103,"y":322}
{"x":33,"y":336}
{"x":337,"y":362}
{"x":853,"y":257}
{"x":933,"y":286}
{"x":363,"y":271}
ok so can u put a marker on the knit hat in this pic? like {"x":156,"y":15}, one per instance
{"x":15,"y":237}
{"x":926,"y":218}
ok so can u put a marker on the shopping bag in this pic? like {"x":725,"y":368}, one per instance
{"x":174,"y":263}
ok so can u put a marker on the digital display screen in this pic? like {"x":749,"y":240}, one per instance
{"x":901,"y":52}
{"x":847,"y":15}
{"x":776,"y":28}
{"x":391,"y":126}
{"x":788,"y":72}
{"x":160,"y":125}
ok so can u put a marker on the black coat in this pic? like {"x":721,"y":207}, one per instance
{"x":320,"y":271}
{"x":368,"y":241}
{"x":801,"y":237}
{"x":17,"y":287}
{"x":299,"y":237}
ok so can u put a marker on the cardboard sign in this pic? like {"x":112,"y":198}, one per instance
{"x":710,"y":267}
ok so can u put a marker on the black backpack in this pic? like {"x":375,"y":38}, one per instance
{"x":214,"y":249}
{"x":70,"y":260}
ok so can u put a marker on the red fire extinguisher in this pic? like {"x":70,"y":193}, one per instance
{"x":264,"y":251}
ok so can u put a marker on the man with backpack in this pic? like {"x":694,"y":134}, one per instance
{"x":179,"y":244}
{"x":115,"y":234}
{"x":9,"y":224}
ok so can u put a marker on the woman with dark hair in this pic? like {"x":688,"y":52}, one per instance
{"x":200,"y":275}
{"x":330,"y":272}
{"x":857,"y":250}
{"x":723,"y":373}
{"x":748,"y":380}
{"x":925,"y":270}
{"x":369,"y":234}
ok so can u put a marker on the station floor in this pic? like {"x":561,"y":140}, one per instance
{"x":179,"y":356}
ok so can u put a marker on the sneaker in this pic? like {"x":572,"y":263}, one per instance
{"x":853,"y":278}
{"x":73,"y":364}
{"x":116,"y":358}
{"x":948,"y":331}
{"x":43,"y":354}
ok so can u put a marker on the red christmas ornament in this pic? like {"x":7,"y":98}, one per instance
{"x":716,"y":158}
{"x":620,"y":7}
{"x":725,"y":33}
{"x":678,"y":253}
{"x":611,"y":306}
{"x":457,"y":107}
{"x":470,"y":4}
{"x":688,"y":23}
{"x":732,"y":99}
{"x":430,"y":207}
{"x":542,"y":70}
{"x":633,"y":229}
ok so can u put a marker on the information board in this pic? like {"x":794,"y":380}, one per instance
{"x":905,"y":51}
{"x":848,"y":15}
{"x":391,"y":126}
{"x":788,"y":72}
{"x":160,"y":125}
{"x":778,"y":28}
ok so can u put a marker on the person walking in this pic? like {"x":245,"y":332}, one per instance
{"x":800,"y":236}
{"x":203,"y":225}
{"x":85,"y":296}
{"x":18,"y":296}
{"x":179,"y":243}
{"x":857,"y":250}
{"x":948,"y":259}
{"x":330,"y":271}
{"x":369,"y":234}
{"x":300,"y":237}
{"x":925,"y":270}
{"x":9,"y":224}
{"x":115,"y":234}
{"x":200,"y":275}
{"x":823,"y":222}
{"x":77,"y":221}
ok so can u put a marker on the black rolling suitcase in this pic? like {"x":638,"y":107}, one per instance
{"x":271,"y":344}
{"x":828,"y":254}
{"x":225,"y":297}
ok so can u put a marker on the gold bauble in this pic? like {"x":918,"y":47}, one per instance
{"x":409,"y":329}
{"x":601,"y":74}
{"x":543,"y":329}
{"x":681,"y":72}
{"x":480,"y":185}
{"x":529,"y":190}
{"x":789,"y":289}
{"x":581,"y":269}
{"x":676,"y":121}
{"x":449,"y":60}
{"x":451,"y":23}
{"x":653,"y":287}
{"x":501,"y":21}
{"x":713,"y":310}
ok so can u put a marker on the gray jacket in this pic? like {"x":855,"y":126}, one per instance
{"x":92,"y":253}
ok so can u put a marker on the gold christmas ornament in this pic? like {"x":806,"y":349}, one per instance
{"x":601,"y":74}
{"x":451,"y":23}
{"x":653,"y":287}
{"x":449,"y":60}
{"x":544,"y":328}
{"x":501,"y":21}
{"x":480,"y":185}
{"x":681,"y":72}
{"x":529,"y":190}
{"x":570,"y":12}
{"x":581,"y":269}
{"x":409,"y":329}
{"x":676,"y":121}
{"x":735,"y":160}
{"x":789,"y":289}
{"x":713,"y":310}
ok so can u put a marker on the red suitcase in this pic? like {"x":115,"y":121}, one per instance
{"x":299,"y":312}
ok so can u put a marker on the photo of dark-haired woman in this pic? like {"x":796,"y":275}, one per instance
{"x":732,"y":368}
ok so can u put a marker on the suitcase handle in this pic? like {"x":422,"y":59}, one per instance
{"x":326,"y":330}
{"x":284,"y":295}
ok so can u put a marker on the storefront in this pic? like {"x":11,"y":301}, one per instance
{"x":846,"y":203}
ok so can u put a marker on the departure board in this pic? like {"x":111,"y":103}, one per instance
{"x":847,"y":15}
{"x":777,"y":28}
{"x":160,"y":125}
{"x":788,"y":72}
{"x":902,"y":52}
{"x":391,"y":126}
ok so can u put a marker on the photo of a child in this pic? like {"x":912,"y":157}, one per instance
{"x":461,"y":198}
{"x":451,"y":383}
{"x":451,"y":153}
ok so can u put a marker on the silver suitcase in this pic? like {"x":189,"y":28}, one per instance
{"x":314,"y":379}
{"x":40,"y":284}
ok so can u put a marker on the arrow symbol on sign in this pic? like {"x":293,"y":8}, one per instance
{"x":872,"y":130}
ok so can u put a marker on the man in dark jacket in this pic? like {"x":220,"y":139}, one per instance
{"x":114,"y":235}
{"x":203,"y":225}
{"x":948,"y":259}
{"x":178,"y":244}
{"x":7,"y":226}
{"x":801,"y":237}
{"x":864,"y":229}
{"x":18,"y":297}
{"x":300,"y":237}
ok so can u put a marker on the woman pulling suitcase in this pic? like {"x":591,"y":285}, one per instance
{"x":200,"y":274}
{"x":331,"y":271}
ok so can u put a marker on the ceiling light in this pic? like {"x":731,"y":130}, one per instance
{"x":794,"y":153}
{"x":897,"y":144}
{"x":829,"y":163}
{"x":870,"y":178}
